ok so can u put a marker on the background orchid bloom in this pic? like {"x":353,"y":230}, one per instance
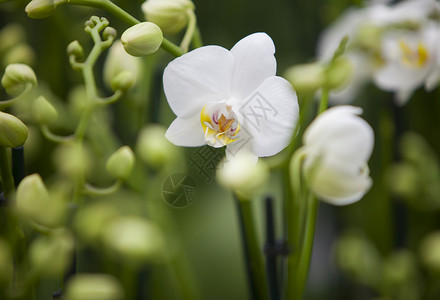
{"x":410,"y":59}
{"x":231,"y":98}
{"x":338,"y":145}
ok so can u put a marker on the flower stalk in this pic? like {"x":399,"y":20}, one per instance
{"x":252,"y":251}
{"x":6,"y":173}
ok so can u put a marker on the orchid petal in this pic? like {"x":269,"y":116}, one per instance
{"x":186,"y":132}
{"x":254,"y":62}
{"x":270,"y":116}
{"x":199,"y":76}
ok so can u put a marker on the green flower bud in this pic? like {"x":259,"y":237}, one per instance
{"x":109,"y":33}
{"x":92,"y":219}
{"x":13,"y":132}
{"x":134,"y":239}
{"x":170,"y":15}
{"x":10,"y":36}
{"x":6,"y":264}
{"x":20,"y":54}
{"x":119,"y":60}
{"x":142,"y":39}
{"x":35,"y":203}
{"x":43,"y":112}
{"x":39,"y":9}
{"x":16,"y":77}
{"x":94,"y":286}
{"x":399,"y":269}
{"x":338,"y":73}
{"x":123,"y":81}
{"x":306,"y":78}
{"x":358,"y":258}
{"x":121,"y":163}
{"x":75,"y":48}
{"x":52,"y":255}
{"x":73,"y":159}
{"x":243,"y":174}
{"x":430,"y":252}
{"x":154,"y":149}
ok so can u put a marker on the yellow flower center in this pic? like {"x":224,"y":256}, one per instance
{"x":414,"y":56}
{"x":220,"y":125}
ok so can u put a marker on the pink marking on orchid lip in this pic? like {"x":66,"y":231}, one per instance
{"x":215,"y":118}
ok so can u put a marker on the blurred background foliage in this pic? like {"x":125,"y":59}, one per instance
{"x":374,"y":248}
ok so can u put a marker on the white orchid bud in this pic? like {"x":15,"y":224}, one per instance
{"x":338,"y":145}
{"x":142,"y":39}
{"x":170,"y":15}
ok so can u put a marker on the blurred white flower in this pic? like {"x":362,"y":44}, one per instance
{"x":410,"y":59}
{"x":231,"y":98}
{"x":338,"y":145}
{"x":365,"y":28}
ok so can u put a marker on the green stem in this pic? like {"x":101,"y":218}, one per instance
{"x":305,"y":250}
{"x":6,"y":173}
{"x":253,"y":252}
{"x":54,"y":137}
{"x":97,"y":191}
{"x":126,"y":17}
{"x":323,"y":105}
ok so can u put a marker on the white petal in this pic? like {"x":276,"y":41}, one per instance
{"x":254,"y":62}
{"x":186,"y":132}
{"x":337,"y":185}
{"x":339,"y":130}
{"x":197,"y":77}
{"x":270,"y":116}
{"x":395,"y":77}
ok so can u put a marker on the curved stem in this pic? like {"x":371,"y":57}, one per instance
{"x":126,"y":17}
{"x":54,"y":137}
{"x":6,"y":173}
{"x":113,"y":98}
{"x":97,"y":191}
{"x":6,"y":103}
{"x":190,"y":29}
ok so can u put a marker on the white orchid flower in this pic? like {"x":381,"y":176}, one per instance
{"x":337,"y":146}
{"x":410,"y":57}
{"x":231,"y":98}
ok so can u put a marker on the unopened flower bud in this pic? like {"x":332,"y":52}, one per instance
{"x":398,"y":269}
{"x":154,"y":149}
{"x":170,"y":15}
{"x":243,"y":174}
{"x":142,"y":39}
{"x":119,"y":60}
{"x":52,"y":255}
{"x":17,"y":77}
{"x":134,"y":239}
{"x":121,"y":163}
{"x":123,"y":81}
{"x":35,"y":202}
{"x":94,"y":286}
{"x":306,"y":78}
{"x":13,"y":132}
{"x":20,"y":54}
{"x":38,"y":9}
{"x":10,"y":36}
{"x":338,"y":73}
{"x":92,"y":219}
{"x":75,"y":48}
{"x":43,"y":112}
{"x":109,"y":33}
{"x":430,"y":252}
{"x":73,"y":159}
